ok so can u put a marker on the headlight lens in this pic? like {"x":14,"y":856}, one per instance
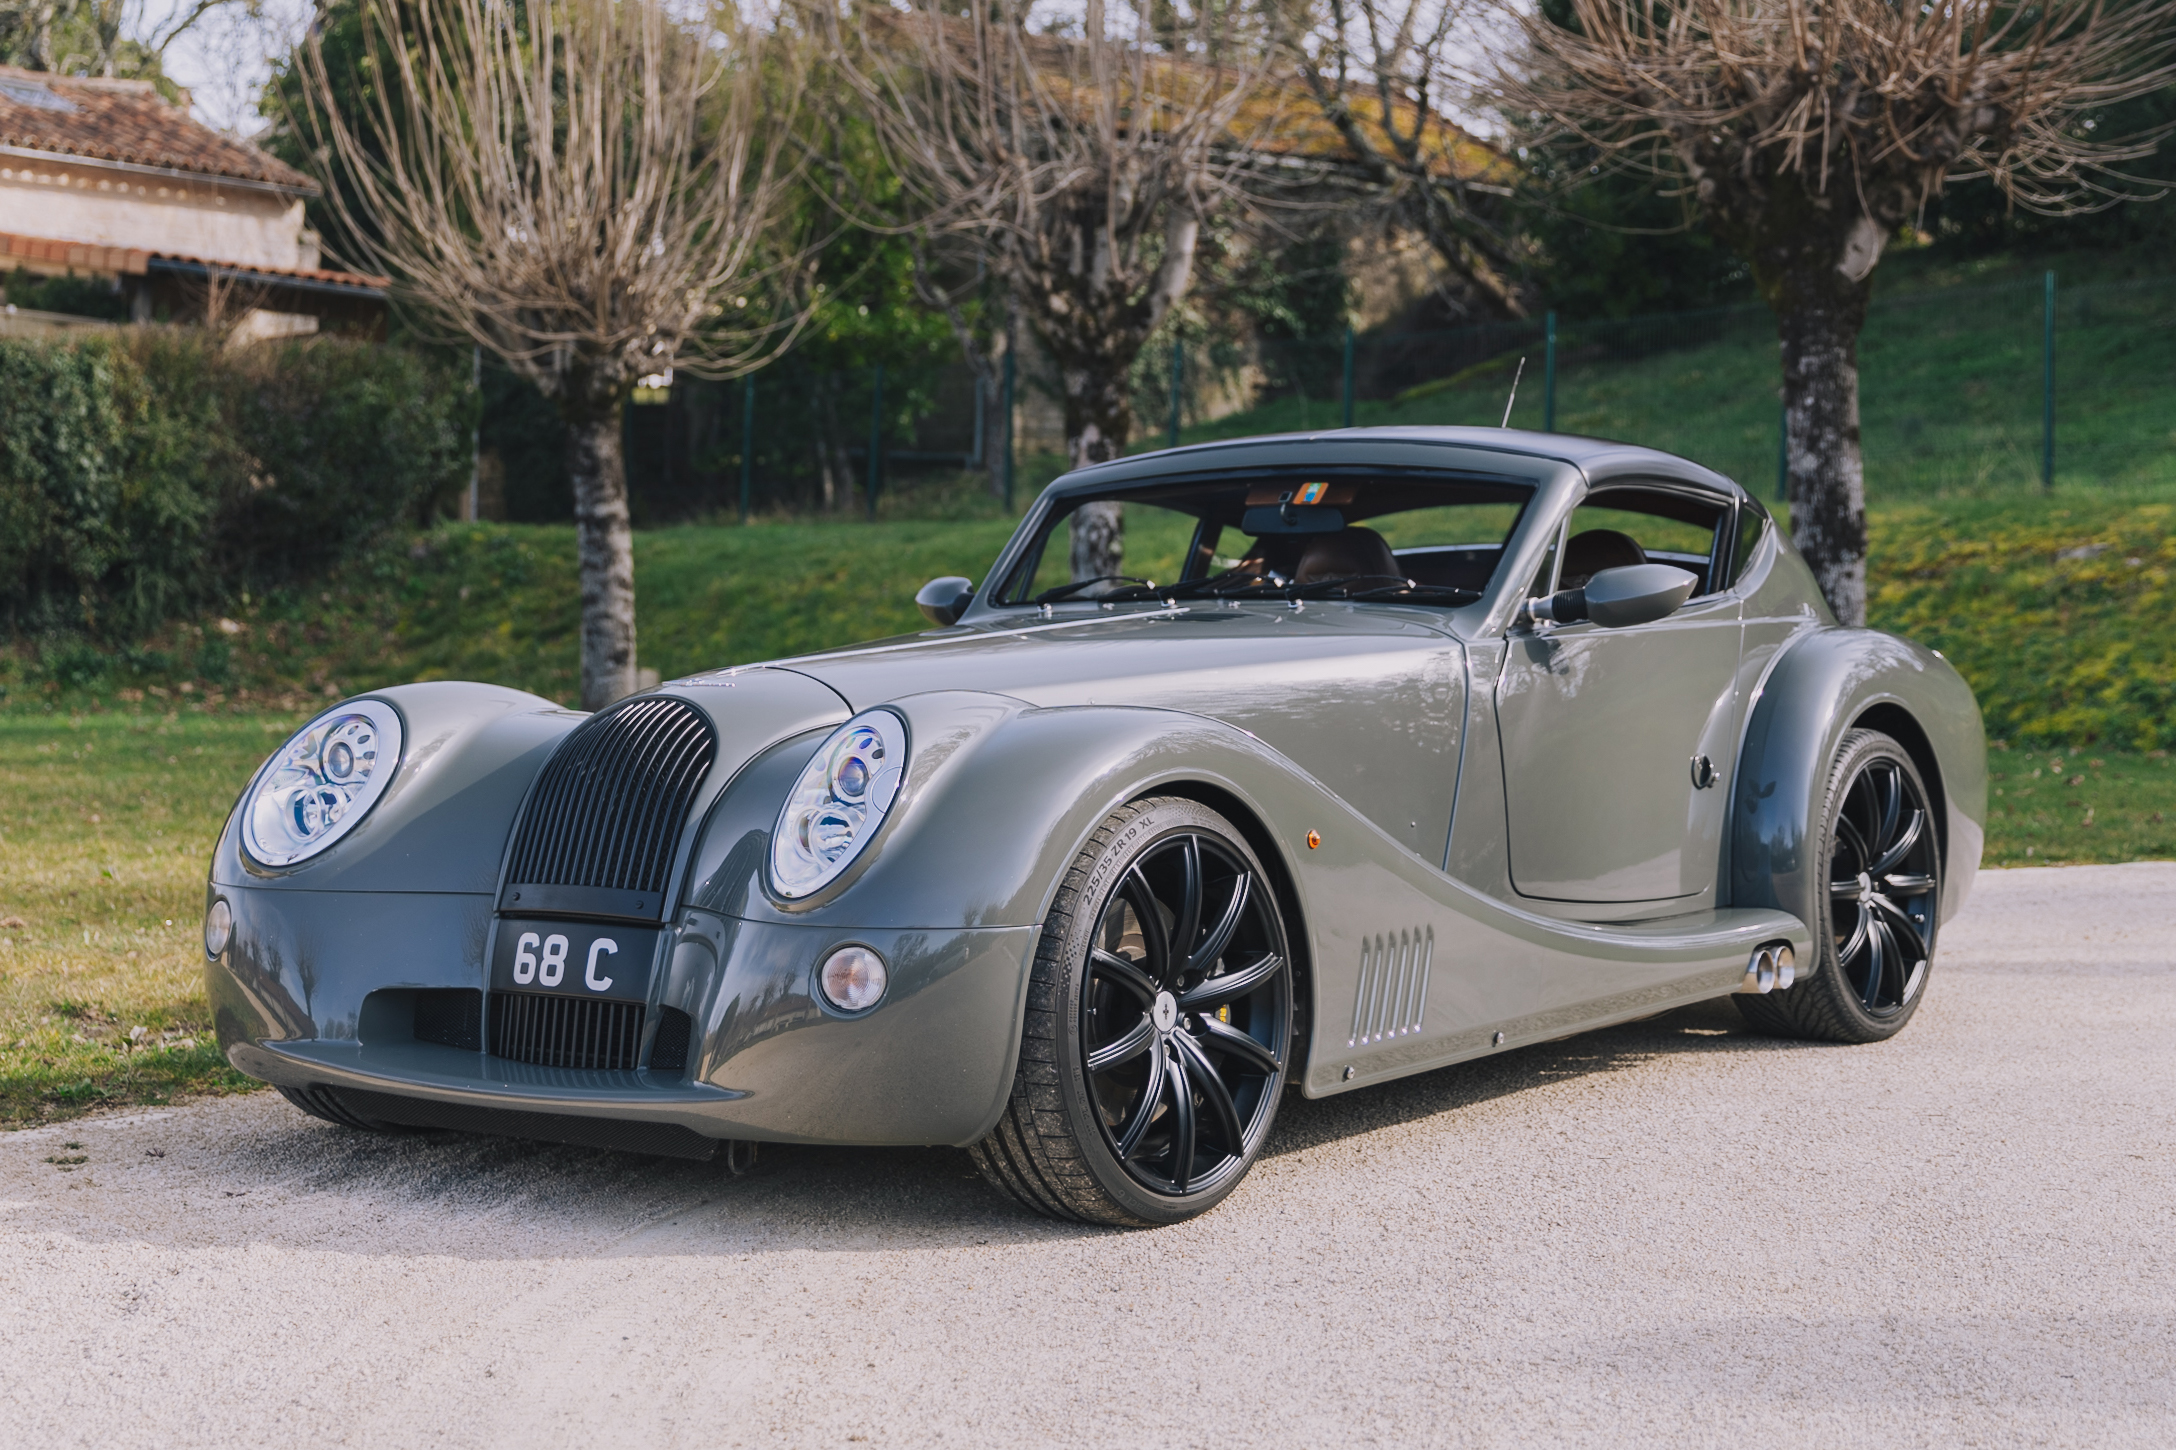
{"x":838,"y":803}
{"x":321,"y":783}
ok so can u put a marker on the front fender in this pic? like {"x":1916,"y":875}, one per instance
{"x":1000,"y":796}
{"x":1824,"y":683}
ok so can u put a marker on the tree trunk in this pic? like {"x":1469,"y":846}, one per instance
{"x":1819,"y":318}
{"x":1098,"y":422}
{"x":605,"y":547}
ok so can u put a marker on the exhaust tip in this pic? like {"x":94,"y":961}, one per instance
{"x":1786,"y":965}
{"x":1760,"y":972}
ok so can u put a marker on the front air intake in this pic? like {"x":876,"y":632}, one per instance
{"x":599,"y":833}
{"x":546,"y":1031}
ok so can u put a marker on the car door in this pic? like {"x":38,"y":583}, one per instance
{"x":1604,"y":731}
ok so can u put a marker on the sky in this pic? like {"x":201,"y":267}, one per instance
{"x":223,"y":58}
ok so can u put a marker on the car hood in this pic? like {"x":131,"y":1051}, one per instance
{"x":1366,"y":699}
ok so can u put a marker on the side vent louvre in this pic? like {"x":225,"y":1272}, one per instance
{"x":1393,"y":994}
{"x":606,"y":814}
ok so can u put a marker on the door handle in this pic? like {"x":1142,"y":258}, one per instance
{"x":1703,"y":772}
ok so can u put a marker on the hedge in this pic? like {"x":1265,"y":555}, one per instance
{"x":146,"y":472}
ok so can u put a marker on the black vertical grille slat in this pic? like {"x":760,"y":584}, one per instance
{"x":608,"y":810}
{"x":572,"y":1032}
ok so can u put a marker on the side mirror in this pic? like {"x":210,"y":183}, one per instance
{"x":1615,"y":598}
{"x":944,"y":600}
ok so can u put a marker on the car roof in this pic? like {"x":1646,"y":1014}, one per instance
{"x":1598,"y":458}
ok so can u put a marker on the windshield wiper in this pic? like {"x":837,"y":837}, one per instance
{"x":1067,"y":591}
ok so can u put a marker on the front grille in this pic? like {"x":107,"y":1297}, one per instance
{"x":566,"y":1031}
{"x":607,"y":811}
{"x":1392,"y":997}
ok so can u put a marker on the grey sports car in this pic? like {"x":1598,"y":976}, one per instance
{"x":1391,"y":748}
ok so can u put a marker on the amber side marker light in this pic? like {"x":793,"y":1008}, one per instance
{"x":1314,"y":839}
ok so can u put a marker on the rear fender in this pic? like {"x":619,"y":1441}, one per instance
{"x":1825,"y":683}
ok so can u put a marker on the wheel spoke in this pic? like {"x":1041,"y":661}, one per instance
{"x":1144,"y":1111}
{"x":1896,"y":853}
{"x":1223,"y":1113}
{"x":1907,"y":885}
{"x":1122,"y":972}
{"x":1182,"y":1125}
{"x":1125,"y":1049}
{"x":1914,"y":940}
{"x":1216,"y":991}
{"x":1876,"y":961}
{"x":1851,"y":947}
{"x":1223,"y":1038}
{"x":1892,"y":802}
{"x":1850,"y":836}
{"x":1843,"y":890}
{"x":1154,"y":938}
{"x":1188,"y":924}
{"x":1220,"y":935}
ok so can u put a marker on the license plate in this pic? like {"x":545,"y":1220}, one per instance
{"x":574,"y":959}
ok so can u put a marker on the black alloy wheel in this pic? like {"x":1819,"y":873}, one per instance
{"x":1169,"y":981}
{"x":1880,"y":906}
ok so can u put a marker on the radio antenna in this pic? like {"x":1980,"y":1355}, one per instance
{"x":1514,"y":393}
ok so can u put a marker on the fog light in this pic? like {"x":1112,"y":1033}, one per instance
{"x":853,"y":978}
{"x":218,"y":928}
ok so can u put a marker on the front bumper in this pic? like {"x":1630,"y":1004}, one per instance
{"x":298,"y":998}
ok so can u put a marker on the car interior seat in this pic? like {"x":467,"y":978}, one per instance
{"x":1349,"y":553}
{"x":1590,"y":552}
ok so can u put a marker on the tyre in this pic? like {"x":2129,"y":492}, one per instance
{"x":1876,"y":908}
{"x":1158,"y":1028}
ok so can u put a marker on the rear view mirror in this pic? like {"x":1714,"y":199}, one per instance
{"x":1291,"y":518}
{"x":1616,"y":598}
{"x":944,"y":600}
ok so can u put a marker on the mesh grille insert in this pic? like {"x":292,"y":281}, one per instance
{"x":566,"y":1031}
{"x":608,"y":808}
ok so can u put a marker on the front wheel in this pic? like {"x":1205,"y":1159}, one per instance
{"x":1878,"y":906}
{"x":1159,"y":1026}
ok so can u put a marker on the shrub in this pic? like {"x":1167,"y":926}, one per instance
{"x":149,"y":472}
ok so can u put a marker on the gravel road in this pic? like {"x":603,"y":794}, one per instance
{"x":1665,"y":1233}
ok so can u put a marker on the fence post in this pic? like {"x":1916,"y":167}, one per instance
{"x":747,"y":445}
{"x":1011,"y":364}
{"x":1178,"y":385}
{"x":2047,"y":387}
{"x":1548,"y":382}
{"x":1348,"y":375}
{"x":876,"y":437}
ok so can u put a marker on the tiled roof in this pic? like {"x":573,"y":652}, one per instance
{"x":125,"y":121}
{"x":135,"y":261}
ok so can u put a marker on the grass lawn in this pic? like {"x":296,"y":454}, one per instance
{"x":106,"y":824}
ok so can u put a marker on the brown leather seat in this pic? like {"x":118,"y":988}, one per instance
{"x":1590,"y":552}
{"x":1348,"y":553}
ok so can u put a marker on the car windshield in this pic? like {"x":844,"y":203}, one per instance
{"x":1382,"y":538}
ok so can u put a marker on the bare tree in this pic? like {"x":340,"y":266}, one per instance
{"x":1810,"y":131}
{"x":1083,"y":163}
{"x":590,"y":189}
{"x":1384,"y":75}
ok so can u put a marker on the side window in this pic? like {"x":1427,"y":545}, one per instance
{"x":1620,"y":526}
{"x":1752,"y":526}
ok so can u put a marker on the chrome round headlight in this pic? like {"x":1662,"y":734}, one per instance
{"x":838,"y":803}
{"x":321,"y":783}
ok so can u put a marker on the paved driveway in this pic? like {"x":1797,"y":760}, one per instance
{"x":1667,"y":1233}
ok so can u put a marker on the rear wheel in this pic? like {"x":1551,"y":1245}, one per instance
{"x":1158,"y":1027}
{"x":1875,"y":918}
